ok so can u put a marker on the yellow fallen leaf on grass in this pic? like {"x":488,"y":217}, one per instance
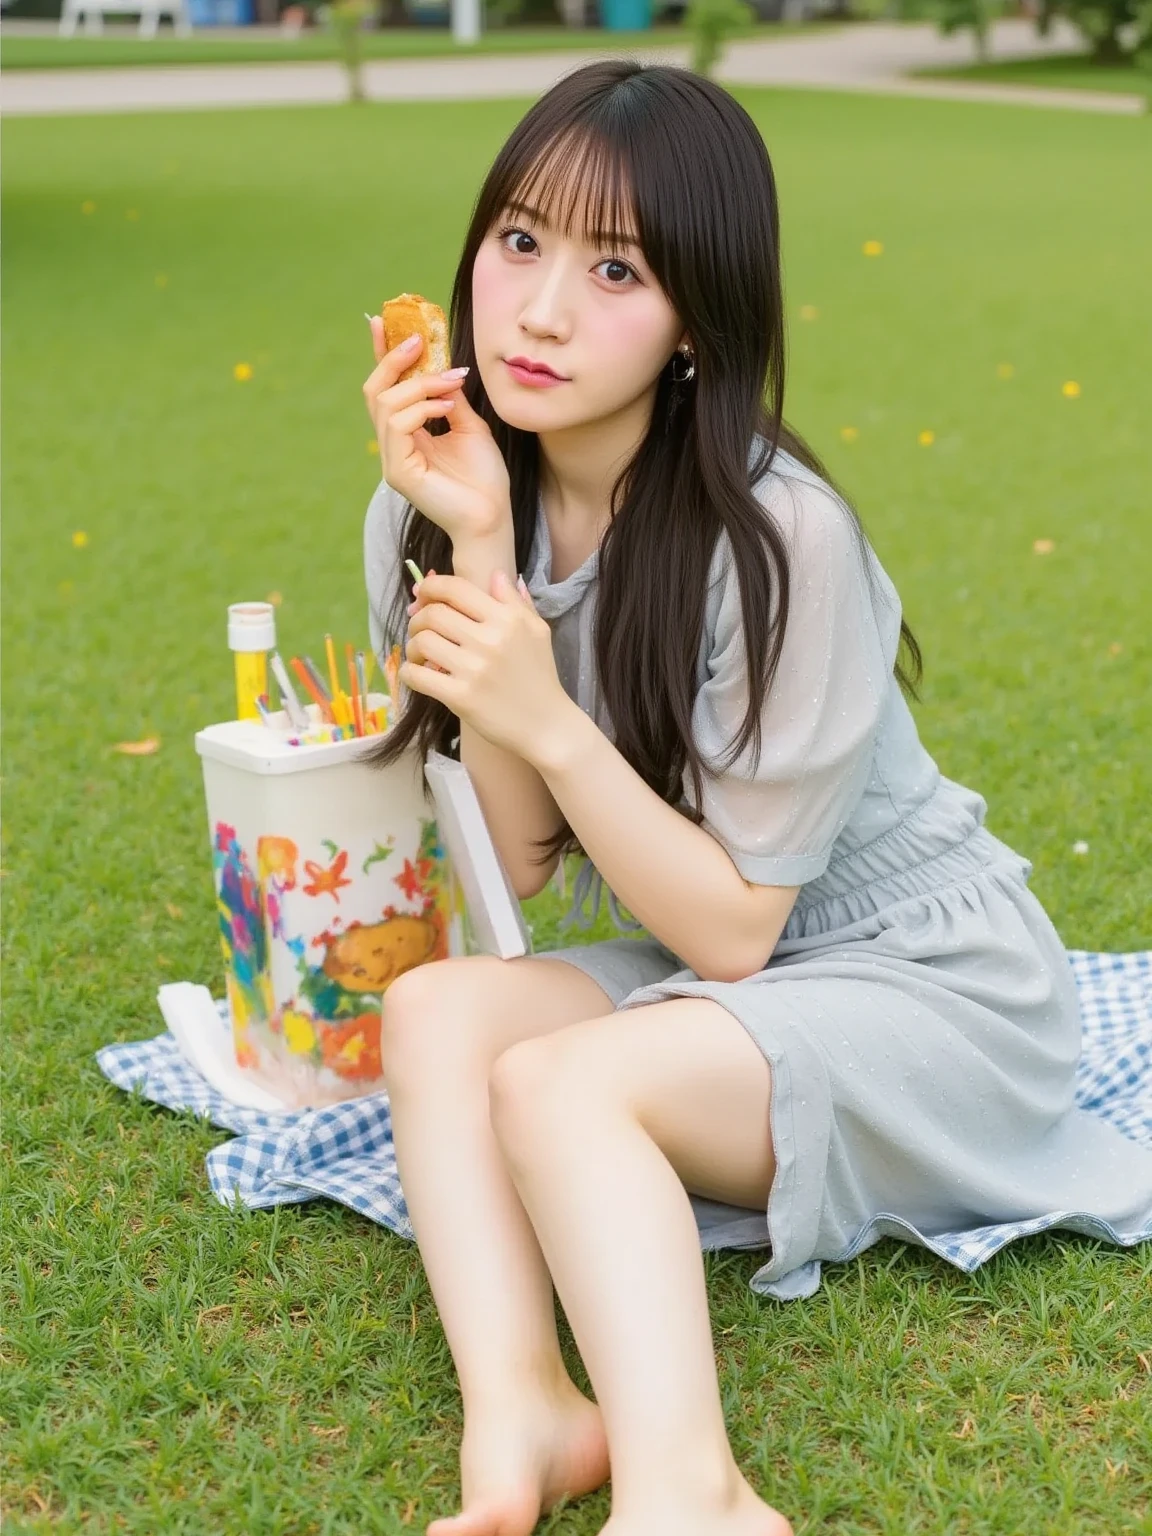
{"x":849,"y":434}
{"x":1043,"y":546}
{"x":79,"y":539}
{"x":1070,"y":390}
{"x":373,"y":446}
{"x":1004,"y":370}
{"x":242,"y":372}
{"x":926,"y":438}
{"x":808,"y":312}
{"x":143,"y":748}
{"x":873,"y":248}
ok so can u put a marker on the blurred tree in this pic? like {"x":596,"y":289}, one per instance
{"x":710,"y":23}
{"x":346,"y":19}
{"x":501,"y":13}
{"x":1102,"y":23}
{"x":975,"y":16}
{"x":1143,"y":49}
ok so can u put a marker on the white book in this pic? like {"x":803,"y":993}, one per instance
{"x":493,"y":907}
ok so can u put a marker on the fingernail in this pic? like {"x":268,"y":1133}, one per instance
{"x":410,"y":341}
{"x":455,"y":373}
{"x":368,"y":317}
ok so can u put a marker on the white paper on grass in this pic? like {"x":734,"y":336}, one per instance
{"x":205,"y":1040}
{"x":493,"y":907}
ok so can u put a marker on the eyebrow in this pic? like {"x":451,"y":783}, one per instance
{"x":600,"y":236}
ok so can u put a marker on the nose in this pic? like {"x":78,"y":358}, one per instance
{"x":548,"y":309}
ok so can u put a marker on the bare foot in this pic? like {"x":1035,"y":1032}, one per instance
{"x":745,"y":1515}
{"x":515,"y":1464}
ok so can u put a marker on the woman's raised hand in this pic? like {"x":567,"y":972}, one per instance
{"x":459,"y":480}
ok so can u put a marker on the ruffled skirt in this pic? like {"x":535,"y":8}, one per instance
{"x":923,"y":1027}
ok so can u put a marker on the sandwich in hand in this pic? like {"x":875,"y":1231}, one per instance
{"x":412,"y":314}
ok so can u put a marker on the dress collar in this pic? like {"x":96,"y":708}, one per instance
{"x":552,"y":599}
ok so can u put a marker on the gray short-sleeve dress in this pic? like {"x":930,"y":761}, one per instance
{"x":919,"y":1012}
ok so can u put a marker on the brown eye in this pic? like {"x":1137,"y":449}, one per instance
{"x":516,"y":248}
{"x":619,"y":272}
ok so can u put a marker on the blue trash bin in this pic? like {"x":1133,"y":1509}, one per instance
{"x":220,"y":13}
{"x":625,"y":15}
{"x":429,"y":13}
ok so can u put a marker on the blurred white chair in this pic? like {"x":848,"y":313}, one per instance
{"x":90,"y":14}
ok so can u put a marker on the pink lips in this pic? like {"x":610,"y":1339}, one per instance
{"x":536,"y":376}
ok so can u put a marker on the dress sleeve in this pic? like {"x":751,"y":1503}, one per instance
{"x":779,"y":819}
{"x":382,"y":526}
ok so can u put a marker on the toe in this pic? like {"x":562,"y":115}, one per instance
{"x":514,"y":1516}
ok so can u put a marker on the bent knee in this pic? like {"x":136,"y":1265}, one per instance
{"x":523,"y":1082}
{"x":432,"y":1014}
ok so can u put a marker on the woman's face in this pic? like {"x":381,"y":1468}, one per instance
{"x":592,"y":313}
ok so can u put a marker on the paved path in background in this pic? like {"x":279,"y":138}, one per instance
{"x":874,"y":58}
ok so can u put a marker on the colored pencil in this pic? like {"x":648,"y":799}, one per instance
{"x":315,"y":674}
{"x":362,"y":689}
{"x":316,"y":694}
{"x":292,"y":705}
{"x":358,"y":719}
{"x":391,"y":673}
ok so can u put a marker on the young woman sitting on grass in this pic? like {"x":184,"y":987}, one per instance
{"x":843,"y":999}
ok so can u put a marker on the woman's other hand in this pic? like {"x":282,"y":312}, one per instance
{"x":488,"y":657}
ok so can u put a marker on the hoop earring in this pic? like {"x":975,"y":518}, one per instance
{"x":690,"y":373}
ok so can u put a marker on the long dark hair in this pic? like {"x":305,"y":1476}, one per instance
{"x":684,"y":160}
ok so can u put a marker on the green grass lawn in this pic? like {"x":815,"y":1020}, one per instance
{"x":121,"y":46}
{"x":1067,"y":72}
{"x":176,"y":1367}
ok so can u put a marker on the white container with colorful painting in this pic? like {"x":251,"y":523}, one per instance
{"x":331,"y":881}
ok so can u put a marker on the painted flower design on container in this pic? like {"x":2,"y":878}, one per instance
{"x":413,"y":878}
{"x":328,"y":881}
{"x":353,"y":1049}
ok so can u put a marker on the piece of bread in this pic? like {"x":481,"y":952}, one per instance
{"x":412,"y":314}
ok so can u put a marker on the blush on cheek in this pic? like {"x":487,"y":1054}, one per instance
{"x":494,"y":303}
{"x":631,"y":339}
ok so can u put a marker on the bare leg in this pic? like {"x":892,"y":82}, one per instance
{"x":529,"y":1434}
{"x":606,"y":1125}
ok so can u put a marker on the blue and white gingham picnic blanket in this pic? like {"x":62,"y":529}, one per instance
{"x":345,"y":1152}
